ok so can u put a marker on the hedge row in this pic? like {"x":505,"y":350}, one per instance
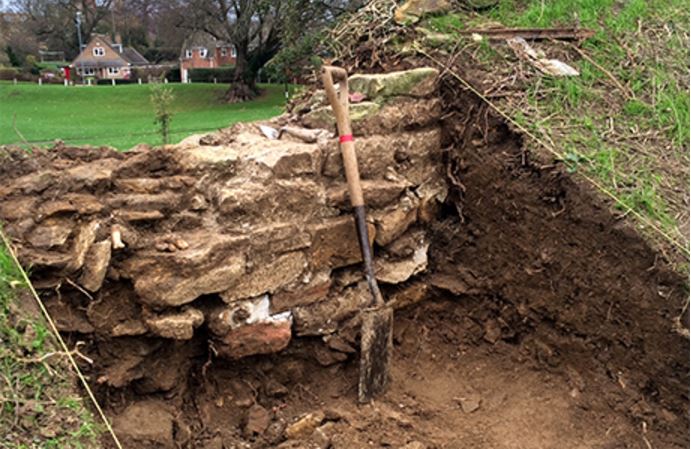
{"x":221,"y":75}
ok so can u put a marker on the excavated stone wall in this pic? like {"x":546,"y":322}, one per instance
{"x":230,"y":241}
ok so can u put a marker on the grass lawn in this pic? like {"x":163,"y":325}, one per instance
{"x":624,"y":120}
{"x":120,"y":116}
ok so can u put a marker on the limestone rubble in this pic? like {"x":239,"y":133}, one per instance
{"x":247,"y":237}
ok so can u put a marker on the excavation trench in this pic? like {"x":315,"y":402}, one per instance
{"x":216,"y":284}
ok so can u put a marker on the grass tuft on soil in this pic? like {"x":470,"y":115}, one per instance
{"x":39,"y":405}
{"x":625,"y":119}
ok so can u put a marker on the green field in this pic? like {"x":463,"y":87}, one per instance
{"x":120,"y":116}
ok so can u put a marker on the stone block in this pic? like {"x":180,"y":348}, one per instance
{"x":146,"y":424}
{"x":400,"y":114}
{"x":92,"y":174}
{"x":153,"y":185}
{"x":323,"y":117}
{"x":250,"y":200}
{"x":82,"y":242}
{"x":145,"y":201}
{"x":407,"y":295}
{"x":175,"y":325}
{"x":163,"y":285}
{"x":278,"y":238}
{"x":397,"y":114}
{"x":432,"y":194}
{"x":253,"y":339}
{"x":395,"y":220}
{"x":288,"y":159}
{"x":309,"y":289}
{"x":195,"y":158}
{"x":71,"y":202}
{"x":418,"y":82}
{"x":268,"y":278}
{"x":410,"y":155}
{"x":335,"y":243}
{"x":324,"y":316}
{"x":397,"y":271}
{"x":17,"y":208}
{"x":96,"y":266}
{"x":51,"y":233}
{"x":378,"y":193}
{"x":413,"y":10}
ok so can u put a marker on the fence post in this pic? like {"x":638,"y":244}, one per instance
{"x":165,"y":80}
{"x":40,"y":81}
{"x":113,"y":81}
{"x":66,"y":83}
{"x":139,"y":81}
{"x":215,"y":81}
{"x":88,"y":81}
{"x":15,"y":81}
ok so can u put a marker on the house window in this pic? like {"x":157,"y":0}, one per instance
{"x":113,"y":70}
{"x":203,"y":52}
{"x":99,"y":51}
{"x":188,"y":54}
{"x":86,"y":71}
{"x":233,"y":52}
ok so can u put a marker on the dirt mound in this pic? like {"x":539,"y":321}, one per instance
{"x":546,"y":322}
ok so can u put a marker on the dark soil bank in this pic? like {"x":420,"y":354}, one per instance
{"x":549,"y":323}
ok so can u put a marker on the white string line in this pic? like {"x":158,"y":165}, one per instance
{"x":63,"y":345}
{"x":596,"y":184}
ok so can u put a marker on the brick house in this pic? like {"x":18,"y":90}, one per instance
{"x":105,"y":59}
{"x":203,"y":51}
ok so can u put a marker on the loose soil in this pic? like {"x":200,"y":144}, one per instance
{"x":549,"y":323}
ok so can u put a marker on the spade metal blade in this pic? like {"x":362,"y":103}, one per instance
{"x":376,"y":347}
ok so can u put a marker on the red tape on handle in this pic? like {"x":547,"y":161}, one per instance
{"x":346,"y":138}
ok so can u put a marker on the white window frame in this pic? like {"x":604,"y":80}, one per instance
{"x":101,"y":51}
{"x":203,"y":52}
{"x":113,"y":70}
{"x":233,"y":52}
{"x":188,"y":54}
{"x":224,"y":52}
{"x":87,"y":71}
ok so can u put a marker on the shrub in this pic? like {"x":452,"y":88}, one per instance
{"x":161,"y":98}
{"x":108,"y":81}
{"x":221,"y":74}
{"x":8,"y":73}
{"x":151,"y":72}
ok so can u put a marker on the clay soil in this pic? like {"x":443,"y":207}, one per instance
{"x":548,"y":323}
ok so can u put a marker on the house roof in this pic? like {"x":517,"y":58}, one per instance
{"x":132,"y":56}
{"x":201,"y":39}
{"x":126,"y":56}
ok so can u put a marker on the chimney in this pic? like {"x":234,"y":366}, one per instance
{"x":118,"y":38}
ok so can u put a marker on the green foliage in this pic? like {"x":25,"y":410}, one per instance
{"x":295,"y":59}
{"x":597,"y":125}
{"x":15,"y":61}
{"x":39,"y":408}
{"x":446,"y":23}
{"x":220,"y":74}
{"x":161,"y":98}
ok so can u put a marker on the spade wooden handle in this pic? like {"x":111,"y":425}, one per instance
{"x":339,"y":104}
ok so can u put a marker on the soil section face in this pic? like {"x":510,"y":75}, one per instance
{"x":535,"y":319}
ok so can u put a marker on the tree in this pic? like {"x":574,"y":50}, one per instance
{"x":53,"y":21}
{"x":258,"y":29}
